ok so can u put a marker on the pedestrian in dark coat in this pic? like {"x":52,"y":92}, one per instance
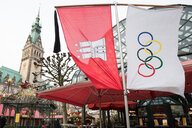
{"x":57,"y":124}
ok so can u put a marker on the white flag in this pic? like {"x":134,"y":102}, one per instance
{"x":152,"y":46}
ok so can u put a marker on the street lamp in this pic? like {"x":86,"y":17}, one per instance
{"x":9,"y":83}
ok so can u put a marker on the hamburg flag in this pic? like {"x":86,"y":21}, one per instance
{"x":152,"y":46}
{"x":89,"y":36}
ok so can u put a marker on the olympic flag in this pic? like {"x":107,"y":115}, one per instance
{"x":89,"y":36}
{"x":152,"y":46}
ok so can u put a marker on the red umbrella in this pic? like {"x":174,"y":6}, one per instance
{"x":84,"y":93}
{"x":112,"y":105}
{"x":81,"y":94}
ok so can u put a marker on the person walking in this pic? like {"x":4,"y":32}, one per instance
{"x":57,"y":124}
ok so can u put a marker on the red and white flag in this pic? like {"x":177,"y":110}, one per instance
{"x":89,"y":36}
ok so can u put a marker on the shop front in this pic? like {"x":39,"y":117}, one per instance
{"x":163,"y":112}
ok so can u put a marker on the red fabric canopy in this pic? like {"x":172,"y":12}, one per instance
{"x":81,"y":94}
{"x":84,"y":93}
{"x":112,"y":105}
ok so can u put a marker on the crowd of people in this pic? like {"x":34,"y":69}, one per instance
{"x":49,"y":124}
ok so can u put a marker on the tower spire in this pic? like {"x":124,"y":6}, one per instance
{"x":36,"y":29}
{"x":38,"y":16}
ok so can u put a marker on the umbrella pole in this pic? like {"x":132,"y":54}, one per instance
{"x":100,"y":111}
{"x":122,"y":69}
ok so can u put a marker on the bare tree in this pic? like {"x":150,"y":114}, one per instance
{"x":57,"y":69}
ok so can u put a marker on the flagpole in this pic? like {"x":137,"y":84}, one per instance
{"x":145,"y":5}
{"x":100,"y":111}
{"x":122,"y":68}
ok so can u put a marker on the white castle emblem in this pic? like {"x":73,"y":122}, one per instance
{"x":93,"y":49}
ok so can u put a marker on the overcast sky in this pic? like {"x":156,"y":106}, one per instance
{"x":17,"y":17}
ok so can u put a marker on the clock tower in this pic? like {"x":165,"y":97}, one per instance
{"x":31,"y":52}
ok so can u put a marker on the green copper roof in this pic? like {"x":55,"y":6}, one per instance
{"x":36,"y":29}
{"x":12,"y":73}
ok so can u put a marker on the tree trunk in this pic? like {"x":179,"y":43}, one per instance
{"x":64,"y":114}
{"x":103,"y":118}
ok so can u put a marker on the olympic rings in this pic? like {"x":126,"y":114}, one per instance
{"x":146,"y":75}
{"x":148,"y":51}
{"x":144,"y":33}
{"x":150,"y":43}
